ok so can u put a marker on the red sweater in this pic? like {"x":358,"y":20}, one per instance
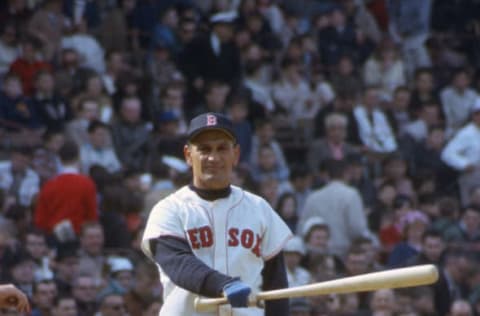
{"x":68,"y":196}
{"x":26,"y":71}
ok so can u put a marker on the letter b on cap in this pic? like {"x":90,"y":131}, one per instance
{"x":211,"y":120}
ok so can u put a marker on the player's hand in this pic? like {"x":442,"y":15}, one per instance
{"x":237,"y":293}
{"x":10,"y":296}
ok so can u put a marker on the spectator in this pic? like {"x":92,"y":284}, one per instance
{"x":373,"y":127}
{"x":64,"y":306}
{"x":411,"y":32}
{"x":165,"y":30}
{"x":84,"y":291}
{"x":414,"y":224}
{"x":130,"y":134}
{"x":214,"y":98}
{"x":337,"y":197}
{"x":53,"y":110}
{"x":360,"y":16}
{"x":383,"y":303}
{"x":144,"y":292}
{"x":112,"y":305}
{"x":301,"y":181}
{"x":88,"y":48}
{"x":112,"y":217}
{"x":99,"y":151}
{"x":293,"y":94}
{"x":93,"y":88}
{"x":9,"y":50}
{"x":44,"y":294}
{"x":68,"y":74}
{"x":238,"y":113}
{"x":385,"y":69}
{"x":458,"y":99}
{"x":173,"y":100}
{"x":342,"y":104}
{"x":268,"y":166}
{"x":465,"y":233}
{"x":428,"y":117}
{"x":67,"y":200}
{"x":115,"y":31}
{"x":92,"y":251}
{"x":345,"y":78}
{"x":287,"y":209}
{"x":46,"y":161}
{"x":265,"y":135}
{"x":66,"y":266}
{"x":341,"y":38}
{"x":17,"y":113}
{"x":423,"y":90}
{"x":213,"y":57}
{"x":28,"y":64}
{"x":395,"y":170}
{"x":398,"y":114}
{"x":35,"y":242}
{"x":334,"y":145}
{"x":19,"y":181}
{"x":461,"y":308}
{"x":120,"y":275}
{"x":293,"y":252}
{"x":163,"y":73}
{"x":116,"y":66}
{"x":462,"y":153}
{"x":76,"y":130}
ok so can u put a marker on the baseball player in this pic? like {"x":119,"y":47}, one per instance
{"x":211,"y":238}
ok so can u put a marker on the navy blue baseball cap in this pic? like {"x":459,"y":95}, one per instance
{"x":211,"y":121}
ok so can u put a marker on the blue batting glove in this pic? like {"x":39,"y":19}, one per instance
{"x":237,"y":293}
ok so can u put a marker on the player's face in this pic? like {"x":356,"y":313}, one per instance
{"x":212,"y":156}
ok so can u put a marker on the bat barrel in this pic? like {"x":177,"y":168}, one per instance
{"x":389,"y":279}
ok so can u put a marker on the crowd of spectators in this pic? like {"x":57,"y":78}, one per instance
{"x":358,"y":121}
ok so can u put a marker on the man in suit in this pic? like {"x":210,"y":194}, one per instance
{"x":213,"y":57}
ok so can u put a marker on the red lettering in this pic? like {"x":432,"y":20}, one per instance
{"x":192,"y":235}
{"x":247,"y":238}
{"x":256,"y":249}
{"x":206,"y":236}
{"x":233,"y":240}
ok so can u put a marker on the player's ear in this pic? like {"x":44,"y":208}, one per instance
{"x":187,"y":153}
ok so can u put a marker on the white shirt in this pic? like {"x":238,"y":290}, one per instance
{"x":464,"y":148}
{"x":456,"y":107}
{"x":29,"y":184}
{"x":89,"y":49}
{"x":8,"y":54}
{"x":215,"y":43}
{"x":378,"y":136}
{"x":299,"y":276}
{"x":105,"y":157}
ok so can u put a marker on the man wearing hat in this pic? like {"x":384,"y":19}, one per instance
{"x":213,"y":57}
{"x":463,"y":154}
{"x":211,"y":238}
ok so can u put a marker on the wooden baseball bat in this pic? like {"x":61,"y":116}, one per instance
{"x":389,"y":279}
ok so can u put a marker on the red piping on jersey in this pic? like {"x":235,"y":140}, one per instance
{"x":277,"y":250}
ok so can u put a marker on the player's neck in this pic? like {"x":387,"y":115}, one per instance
{"x":211,"y":194}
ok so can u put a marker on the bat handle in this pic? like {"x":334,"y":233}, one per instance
{"x":204,"y":305}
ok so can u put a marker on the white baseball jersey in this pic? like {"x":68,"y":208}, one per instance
{"x":233,"y":235}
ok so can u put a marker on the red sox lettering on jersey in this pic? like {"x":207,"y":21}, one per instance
{"x":202,"y":237}
{"x":233,"y":235}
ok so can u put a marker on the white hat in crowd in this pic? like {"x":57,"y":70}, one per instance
{"x":118,"y":264}
{"x":312,"y":222}
{"x":224,"y":17}
{"x":295,"y":244}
